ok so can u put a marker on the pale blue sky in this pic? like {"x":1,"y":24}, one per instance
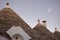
{"x":32,"y":10}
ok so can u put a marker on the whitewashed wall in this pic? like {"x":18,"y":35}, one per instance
{"x":18,"y":30}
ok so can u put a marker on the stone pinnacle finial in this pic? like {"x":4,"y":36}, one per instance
{"x":7,"y":3}
{"x":56,"y":29}
{"x":38,"y":21}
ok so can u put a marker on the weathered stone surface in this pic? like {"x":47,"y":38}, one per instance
{"x":44,"y":33}
{"x":9,"y":18}
{"x":5,"y":35}
{"x":57,"y":34}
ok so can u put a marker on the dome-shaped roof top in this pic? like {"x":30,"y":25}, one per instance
{"x":57,"y":33}
{"x":37,"y":27}
{"x":9,"y":18}
{"x":44,"y":32}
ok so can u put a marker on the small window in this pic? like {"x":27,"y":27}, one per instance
{"x":16,"y":37}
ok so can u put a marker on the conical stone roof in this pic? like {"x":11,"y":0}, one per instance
{"x":9,"y":18}
{"x":57,"y":33}
{"x":44,"y":33}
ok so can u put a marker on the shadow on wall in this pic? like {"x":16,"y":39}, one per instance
{"x":4,"y":36}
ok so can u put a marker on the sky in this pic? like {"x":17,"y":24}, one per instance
{"x":32,"y":10}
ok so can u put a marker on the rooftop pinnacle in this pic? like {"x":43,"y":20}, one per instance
{"x":7,"y":4}
{"x":38,"y":21}
{"x":56,"y":29}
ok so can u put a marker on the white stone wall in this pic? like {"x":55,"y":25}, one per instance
{"x":18,"y":30}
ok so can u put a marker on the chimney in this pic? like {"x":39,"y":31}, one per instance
{"x":44,"y":23}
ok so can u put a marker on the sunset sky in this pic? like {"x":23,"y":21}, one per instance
{"x":32,"y":10}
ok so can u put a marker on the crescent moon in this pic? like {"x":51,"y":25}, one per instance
{"x":49,"y":10}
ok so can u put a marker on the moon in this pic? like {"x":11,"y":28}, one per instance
{"x":49,"y":10}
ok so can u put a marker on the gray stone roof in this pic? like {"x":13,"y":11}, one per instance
{"x":9,"y":18}
{"x":57,"y":34}
{"x":44,"y":33}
